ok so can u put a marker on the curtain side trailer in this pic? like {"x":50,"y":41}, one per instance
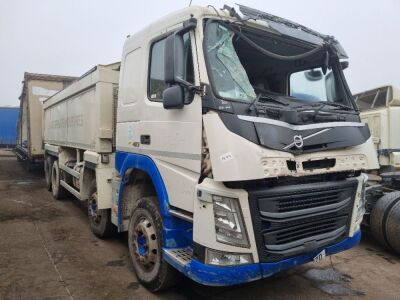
{"x":36,"y":88}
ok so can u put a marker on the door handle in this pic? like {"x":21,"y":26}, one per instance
{"x":145,"y":139}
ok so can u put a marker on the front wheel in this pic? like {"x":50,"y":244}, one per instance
{"x":145,"y":246}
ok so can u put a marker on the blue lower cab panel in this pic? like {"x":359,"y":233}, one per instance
{"x":225,"y":276}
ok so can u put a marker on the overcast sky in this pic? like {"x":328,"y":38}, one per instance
{"x":68,"y":37}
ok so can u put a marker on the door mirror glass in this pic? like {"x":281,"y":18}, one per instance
{"x":174,"y":57}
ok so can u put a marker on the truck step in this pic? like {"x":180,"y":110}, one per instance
{"x":180,"y":255}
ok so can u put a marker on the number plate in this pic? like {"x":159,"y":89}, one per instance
{"x":320,"y":256}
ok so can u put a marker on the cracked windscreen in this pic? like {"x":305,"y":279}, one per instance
{"x":229,"y":76}
{"x":246,"y":65}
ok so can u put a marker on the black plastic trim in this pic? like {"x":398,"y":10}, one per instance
{"x":199,"y":252}
{"x":278,"y":137}
{"x":90,"y":165}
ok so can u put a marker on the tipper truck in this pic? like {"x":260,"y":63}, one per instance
{"x":227,"y":144}
{"x":35,"y":89}
{"x":380,"y":109}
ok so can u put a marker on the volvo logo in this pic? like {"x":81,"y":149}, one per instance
{"x":298,"y":141}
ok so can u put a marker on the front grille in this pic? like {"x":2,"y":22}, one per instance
{"x":304,"y":230}
{"x":305,"y":200}
{"x":293,"y":220}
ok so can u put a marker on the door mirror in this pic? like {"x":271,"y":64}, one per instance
{"x":173,"y":97}
{"x":174,"y":55}
{"x":174,"y":68}
{"x":174,"y":58}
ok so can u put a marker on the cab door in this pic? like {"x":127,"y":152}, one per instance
{"x":173,"y":135}
{"x":171,"y":138}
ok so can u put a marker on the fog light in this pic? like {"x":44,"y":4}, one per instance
{"x":219,"y":258}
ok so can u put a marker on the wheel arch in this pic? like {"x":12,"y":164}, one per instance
{"x":176,"y":232}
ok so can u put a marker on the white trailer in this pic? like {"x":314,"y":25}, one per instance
{"x":214,"y":156}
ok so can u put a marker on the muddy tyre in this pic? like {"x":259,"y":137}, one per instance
{"x":379,"y":216}
{"x":99,"y":219}
{"x":393,"y":227}
{"x":145,"y":247}
{"x":48,"y":163}
{"x":56,"y":189}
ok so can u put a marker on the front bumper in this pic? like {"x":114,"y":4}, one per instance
{"x":232,"y":275}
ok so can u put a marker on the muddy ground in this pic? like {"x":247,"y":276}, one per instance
{"x":48,"y":252}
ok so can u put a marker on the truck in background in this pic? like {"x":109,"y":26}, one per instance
{"x":228,"y":146}
{"x":8,"y":126}
{"x":380,"y":108}
{"x":36,"y":88}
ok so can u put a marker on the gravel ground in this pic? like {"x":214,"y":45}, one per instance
{"x":48,"y":252}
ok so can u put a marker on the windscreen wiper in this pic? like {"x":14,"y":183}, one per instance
{"x":339,"y":105}
{"x":269,"y":98}
{"x":320,"y":105}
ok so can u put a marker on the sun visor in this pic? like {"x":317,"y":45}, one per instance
{"x":294,"y":30}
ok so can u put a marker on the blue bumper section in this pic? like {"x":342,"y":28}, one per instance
{"x":225,"y":276}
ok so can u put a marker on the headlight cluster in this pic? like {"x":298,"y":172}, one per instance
{"x":229,"y":223}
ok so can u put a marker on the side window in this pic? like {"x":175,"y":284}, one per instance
{"x":157,"y":84}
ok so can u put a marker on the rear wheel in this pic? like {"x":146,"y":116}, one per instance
{"x":48,"y":163}
{"x":57,"y":190}
{"x":379,"y":216}
{"x":99,"y":219}
{"x":393,"y":228}
{"x":145,"y":247}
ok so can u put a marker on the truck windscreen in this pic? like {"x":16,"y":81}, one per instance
{"x":240,"y":72}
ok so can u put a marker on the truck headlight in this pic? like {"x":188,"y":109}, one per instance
{"x":229,"y":223}
{"x":219,"y":258}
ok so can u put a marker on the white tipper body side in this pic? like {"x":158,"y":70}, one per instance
{"x":82,"y":118}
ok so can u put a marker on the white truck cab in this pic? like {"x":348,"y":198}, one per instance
{"x":236,"y":151}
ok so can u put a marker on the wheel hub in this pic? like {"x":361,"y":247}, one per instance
{"x":92,"y":207}
{"x":145,"y":243}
